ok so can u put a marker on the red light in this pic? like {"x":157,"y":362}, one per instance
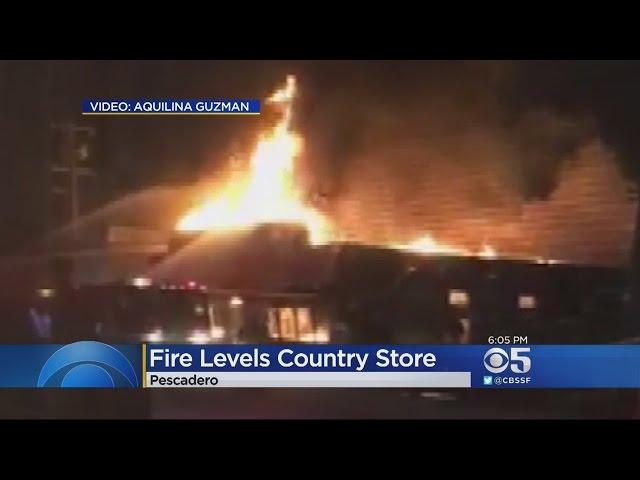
{"x":191,"y":284}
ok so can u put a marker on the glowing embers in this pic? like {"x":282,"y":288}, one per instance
{"x":428,"y":245}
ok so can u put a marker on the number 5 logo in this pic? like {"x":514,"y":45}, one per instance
{"x":517,"y":359}
{"x":496,"y":360}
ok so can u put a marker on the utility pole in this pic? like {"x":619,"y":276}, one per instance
{"x":71,"y":163}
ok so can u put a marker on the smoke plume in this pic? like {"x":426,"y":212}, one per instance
{"x":447,"y":155}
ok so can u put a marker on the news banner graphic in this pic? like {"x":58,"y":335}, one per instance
{"x":91,"y":364}
{"x":392,"y":366}
{"x":172,"y":107}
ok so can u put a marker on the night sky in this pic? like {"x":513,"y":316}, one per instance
{"x":346,"y":108}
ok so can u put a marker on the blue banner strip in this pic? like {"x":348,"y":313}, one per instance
{"x":523,"y":366}
{"x":95,"y":364}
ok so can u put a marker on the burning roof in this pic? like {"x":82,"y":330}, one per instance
{"x":432,"y":206}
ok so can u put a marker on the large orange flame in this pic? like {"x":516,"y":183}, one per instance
{"x":429,"y":246}
{"x":267,"y":193}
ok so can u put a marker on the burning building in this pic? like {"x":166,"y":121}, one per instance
{"x":405,"y":241}
{"x":260,"y":230}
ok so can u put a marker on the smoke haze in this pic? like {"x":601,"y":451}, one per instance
{"x":443,"y":151}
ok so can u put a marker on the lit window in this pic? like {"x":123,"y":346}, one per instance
{"x":526,"y":302}
{"x":236,"y":302}
{"x":288,"y":324}
{"x":295,"y":324}
{"x":459,"y":298}
{"x":141,"y":282}
{"x":305,"y":323}
{"x":46,"y":292}
{"x":272,"y":323}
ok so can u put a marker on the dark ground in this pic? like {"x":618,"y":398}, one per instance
{"x":316,"y":404}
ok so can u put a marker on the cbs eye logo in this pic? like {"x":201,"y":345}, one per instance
{"x":87,"y":365}
{"x":496,"y":360}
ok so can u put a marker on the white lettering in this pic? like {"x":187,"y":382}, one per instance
{"x":169,"y":359}
{"x":203,"y":360}
{"x":394,"y":359}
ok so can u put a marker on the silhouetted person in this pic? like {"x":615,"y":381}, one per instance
{"x":39,"y":319}
{"x":456,"y":332}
